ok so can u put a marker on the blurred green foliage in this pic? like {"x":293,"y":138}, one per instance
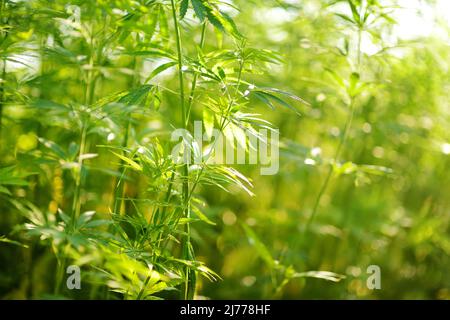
{"x":364,"y":164}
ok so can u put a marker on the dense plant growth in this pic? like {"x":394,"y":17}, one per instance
{"x":92,"y":92}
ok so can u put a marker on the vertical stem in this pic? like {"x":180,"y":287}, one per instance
{"x":76,"y":205}
{"x":88,"y":100}
{"x":180,"y":62}
{"x":2,"y":94}
{"x":120,"y":183}
{"x":194,"y":80}
{"x":344,"y":136}
{"x":326,"y":182}
{"x":120,"y":189}
{"x":359,"y":53}
{"x":59,"y":275}
{"x":190,"y":282}
{"x":223,"y":123}
{"x":161,"y":216}
{"x":2,"y":83}
{"x":190,"y":102}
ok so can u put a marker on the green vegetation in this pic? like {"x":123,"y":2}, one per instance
{"x":91,"y":93}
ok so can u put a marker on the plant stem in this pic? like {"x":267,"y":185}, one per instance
{"x":344,"y":137}
{"x":89,"y":97}
{"x":161,"y":217}
{"x":234,"y":98}
{"x":88,"y":100}
{"x":180,"y":62}
{"x":120,"y":183}
{"x":194,"y":80}
{"x":326,"y":182}
{"x":190,"y":101}
{"x":2,"y":95}
{"x":59,"y":275}
{"x":190,"y":282}
{"x":120,"y":190}
{"x":359,"y":53}
{"x":3,"y":80}
{"x":76,"y":206}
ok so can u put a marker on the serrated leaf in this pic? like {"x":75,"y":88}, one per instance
{"x":337,"y":78}
{"x":344,"y":17}
{"x":54,"y":147}
{"x":4,"y":190}
{"x":326,"y":275}
{"x":129,"y":161}
{"x":268,"y":96}
{"x":88,"y":156}
{"x":137,"y":95}
{"x":64,"y":217}
{"x":290,"y":95}
{"x":202,"y":216}
{"x":85,"y":217}
{"x":229,"y":24}
{"x":215,"y":21}
{"x":6,"y":240}
{"x":183,"y":8}
{"x":355,"y":12}
{"x":98,"y":223}
{"x":160,"y":69}
{"x":199,"y":9}
{"x":261,"y":249}
{"x":152,"y":53}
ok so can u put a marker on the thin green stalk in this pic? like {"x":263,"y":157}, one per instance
{"x":161,"y":217}
{"x":88,"y":99}
{"x":190,"y":101}
{"x":180,"y":62}
{"x":343,"y":139}
{"x":141,"y":292}
{"x":89,"y":95}
{"x":120,"y":190}
{"x":359,"y":53}
{"x":76,"y":205}
{"x":2,"y":83}
{"x":190,"y":282}
{"x":120,"y":183}
{"x":336,"y":157}
{"x":59,"y":275}
{"x":2,"y":95}
{"x":233,"y":99}
{"x":194,"y":80}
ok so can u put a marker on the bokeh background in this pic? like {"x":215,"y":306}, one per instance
{"x":395,"y":216}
